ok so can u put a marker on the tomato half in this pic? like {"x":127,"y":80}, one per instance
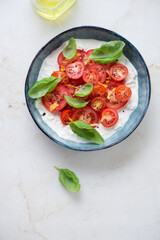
{"x":91,"y":75}
{"x":75,"y":70}
{"x":118,"y":72}
{"x":62,"y":61}
{"x":98,"y":91}
{"x":114,"y":105}
{"x":102,"y":72}
{"x":86,"y":114}
{"x":110,"y":97}
{"x":66,"y":116}
{"x":59,"y":74}
{"x":98,"y":103}
{"x":123,"y":93}
{"x":109,"y":117}
{"x":86,"y":60}
{"x":55,"y":101}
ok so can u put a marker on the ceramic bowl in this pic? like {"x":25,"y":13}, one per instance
{"x":88,"y":32}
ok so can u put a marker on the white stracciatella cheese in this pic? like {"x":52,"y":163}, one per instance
{"x":53,"y":119}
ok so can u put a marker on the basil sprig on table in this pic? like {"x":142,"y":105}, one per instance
{"x":75,"y":102}
{"x":108,"y":52}
{"x":70,"y":50}
{"x":69,"y":179}
{"x":85,"y":90}
{"x":84,"y":130}
{"x":43,"y":86}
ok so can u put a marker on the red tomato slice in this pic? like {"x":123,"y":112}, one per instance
{"x":109,"y":117}
{"x":114,"y":105}
{"x":91,"y":75}
{"x":98,"y":103}
{"x":77,"y":82}
{"x":102,"y":72}
{"x":98,"y":91}
{"x":62,"y":61}
{"x":75,"y":70}
{"x":118,"y":72}
{"x":66,"y":116}
{"x":87,"y":115}
{"x":123,"y":93}
{"x":59,"y":74}
{"x":110,"y":97}
{"x":86,"y":60}
{"x":55,"y":101}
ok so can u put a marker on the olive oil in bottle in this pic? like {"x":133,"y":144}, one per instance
{"x":52,"y":9}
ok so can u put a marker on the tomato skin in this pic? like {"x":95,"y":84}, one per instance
{"x":62,"y":61}
{"x":98,"y":91}
{"x":123,"y":93}
{"x":56,"y":96}
{"x":98,"y":103}
{"x":59,"y":74}
{"x":101,"y":70}
{"x":91,"y":75}
{"x":65,"y":115}
{"x":86,"y":114}
{"x":109,"y":117}
{"x":76,"y":82}
{"x":114,"y":105}
{"x":118,"y":72}
{"x":75,"y":70}
{"x":86,"y":60}
{"x":110,"y":97}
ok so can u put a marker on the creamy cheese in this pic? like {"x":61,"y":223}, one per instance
{"x":53,"y":119}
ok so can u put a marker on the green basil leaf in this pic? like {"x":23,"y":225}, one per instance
{"x":85,"y":90}
{"x":108,"y":52}
{"x":70,"y":50}
{"x":75,"y":102}
{"x":69,"y":179}
{"x":43,"y":86}
{"x":84,"y":130}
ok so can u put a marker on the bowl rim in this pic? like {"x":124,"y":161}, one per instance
{"x":113,"y":33}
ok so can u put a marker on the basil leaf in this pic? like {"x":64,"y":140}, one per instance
{"x":43,"y":86}
{"x":85,"y":90}
{"x":108,"y":52}
{"x":69,"y":179}
{"x":70,"y":50}
{"x":75,"y":102}
{"x":84,"y":130}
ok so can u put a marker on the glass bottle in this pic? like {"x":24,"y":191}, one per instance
{"x":51,"y":9}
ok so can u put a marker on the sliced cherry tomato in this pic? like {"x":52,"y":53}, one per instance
{"x":110,"y":97}
{"x":55,"y":101}
{"x":102,"y":72}
{"x":109,"y":117}
{"x":118,"y":72}
{"x":123,"y":93}
{"x":62,"y":61}
{"x":75,"y":70}
{"x":112,"y":84}
{"x":59,"y":74}
{"x":86,"y":59}
{"x":114,"y":105}
{"x":98,"y":103}
{"x":98,"y":91}
{"x":86,"y":114}
{"x":66,"y":116}
{"x":71,"y":90}
{"x":77,"y":82}
{"x":107,"y":66}
{"x":91,"y":75}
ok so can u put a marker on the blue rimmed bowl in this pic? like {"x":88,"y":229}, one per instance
{"x":89,"y":32}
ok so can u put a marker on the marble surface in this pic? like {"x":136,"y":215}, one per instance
{"x":120,"y":186}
